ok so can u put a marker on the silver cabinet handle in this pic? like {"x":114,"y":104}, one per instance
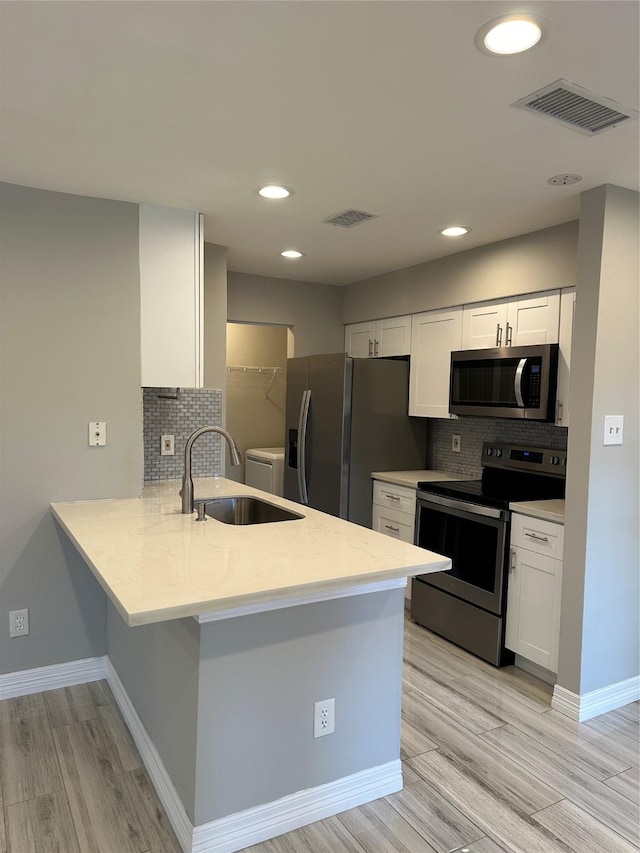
{"x":392,"y":497}
{"x":499,"y":335}
{"x":390,"y":527}
{"x":509,"y":334}
{"x":370,"y":349}
{"x":559,"y":411}
{"x":512,"y":561}
{"x":375,"y":349}
{"x":538,"y":538}
{"x":302,"y":446}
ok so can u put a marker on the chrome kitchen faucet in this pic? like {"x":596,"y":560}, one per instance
{"x":187,"y":482}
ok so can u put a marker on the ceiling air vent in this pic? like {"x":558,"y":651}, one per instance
{"x":576,"y":107}
{"x":349,"y":218}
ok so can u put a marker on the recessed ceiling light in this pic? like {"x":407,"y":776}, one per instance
{"x":510,"y":34}
{"x":291,"y":253}
{"x":274,"y":191}
{"x":455,"y":231}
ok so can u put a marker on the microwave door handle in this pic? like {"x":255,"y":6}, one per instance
{"x":518,"y":382}
{"x":302,"y":447}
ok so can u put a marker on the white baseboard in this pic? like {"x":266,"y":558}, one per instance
{"x":41,"y":678}
{"x":165,"y":789}
{"x":584,"y":707}
{"x":243,"y":829}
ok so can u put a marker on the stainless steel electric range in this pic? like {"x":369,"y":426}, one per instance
{"x":469,"y":522}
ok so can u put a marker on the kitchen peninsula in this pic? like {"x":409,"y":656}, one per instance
{"x":287,"y":614}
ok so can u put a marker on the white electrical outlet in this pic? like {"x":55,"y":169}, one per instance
{"x":324,"y":717}
{"x":19,"y":623}
{"x":455,"y":443}
{"x":167,"y":446}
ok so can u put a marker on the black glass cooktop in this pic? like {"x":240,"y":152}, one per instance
{"x":509,"y":473}
{"x":498,"y":491}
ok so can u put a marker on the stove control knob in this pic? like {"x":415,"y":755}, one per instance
{"x":555,"y":460}
{"x":489,"y":451}
{"x":498,"y":452}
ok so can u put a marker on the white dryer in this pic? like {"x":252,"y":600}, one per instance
{"x":264,"y":469}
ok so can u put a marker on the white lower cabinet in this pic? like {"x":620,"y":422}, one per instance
{"x":394,"y":512}
{"x":533,"y":592}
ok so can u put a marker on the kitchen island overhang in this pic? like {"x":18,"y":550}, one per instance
{"x":222,"y":708}
{"x":155,"y":563}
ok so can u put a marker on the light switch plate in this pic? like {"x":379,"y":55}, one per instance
{"x":613,"y":429}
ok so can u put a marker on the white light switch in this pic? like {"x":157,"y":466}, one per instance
{"x":613,"y":429}
{"x":97,"y":433}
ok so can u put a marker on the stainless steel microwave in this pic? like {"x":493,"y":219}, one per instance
{"x":505,"y":382}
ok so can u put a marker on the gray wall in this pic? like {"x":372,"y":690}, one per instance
{"x":599,"y":642}
{"x":542,"y":260}
{"x":70,"y":353}
{"x":349,"y":649}
{"x":158,"y":667}
{"x":314,"y":311}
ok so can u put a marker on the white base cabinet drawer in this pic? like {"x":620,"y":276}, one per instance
{"x":400,"y":498}
{"x":399,"y":525}
{"x":534,"y":534}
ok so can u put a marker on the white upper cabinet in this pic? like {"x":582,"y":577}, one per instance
{"x":567,"y":316}
{"x":517,"y":321}
{"x":434,"y":335}
{"x":171,"y":296}
{"x":379,"y":338}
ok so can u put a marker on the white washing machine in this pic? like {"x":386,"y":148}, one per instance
{"x":264,"y":469}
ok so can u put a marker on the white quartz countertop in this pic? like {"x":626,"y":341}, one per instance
{"x":549,"y":510}
{"x":412,"y":478}
{"x":157,"y":564}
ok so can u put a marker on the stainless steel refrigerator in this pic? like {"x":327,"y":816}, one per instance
{"x":347,"y":417}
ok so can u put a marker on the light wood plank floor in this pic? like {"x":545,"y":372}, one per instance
{"x":488,"y":768}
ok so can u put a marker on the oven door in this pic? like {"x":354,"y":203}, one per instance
{"x":474,"y":537}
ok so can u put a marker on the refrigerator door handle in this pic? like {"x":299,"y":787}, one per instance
{"x":302,"y":446}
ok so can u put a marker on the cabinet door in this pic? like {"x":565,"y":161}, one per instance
{"x":359,"y":340}
{"x":484,"y":325}
{"x":433,"y":337}
{"x":567,"y":317}
{"x":533,"y":319}
{"x":533,"y":607}
{"x":393,"y":337}
{"x":171,"y":297}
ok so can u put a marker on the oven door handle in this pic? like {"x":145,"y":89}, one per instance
{"x":424,"y":499}
{"x":518,"y":382}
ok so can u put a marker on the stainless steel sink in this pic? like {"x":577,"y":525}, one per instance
{"x":246,"y":510}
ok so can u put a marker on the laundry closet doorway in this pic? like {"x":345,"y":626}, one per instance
{"x":256,"y":387}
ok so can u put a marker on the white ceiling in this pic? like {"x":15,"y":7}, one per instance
{"x":387,"y":107}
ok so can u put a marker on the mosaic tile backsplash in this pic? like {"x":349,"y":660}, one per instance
{"x":473,"y":431}
{"x":178,"y":412}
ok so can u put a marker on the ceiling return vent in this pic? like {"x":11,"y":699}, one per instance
{"x":576,"y":107}
{"x":349,"y":218}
